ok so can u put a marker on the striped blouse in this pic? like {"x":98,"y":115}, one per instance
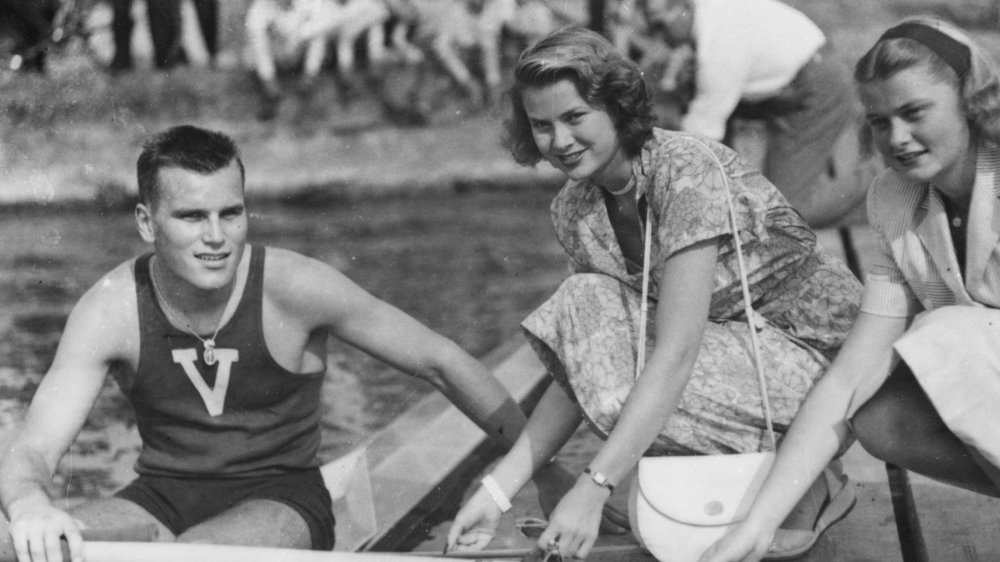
{"x":914,"y":266}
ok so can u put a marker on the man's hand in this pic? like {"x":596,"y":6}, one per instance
{"x":36,"y":530}
{"x":475,"y":525}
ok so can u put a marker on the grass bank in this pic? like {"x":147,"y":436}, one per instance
{"x":72,"y":137}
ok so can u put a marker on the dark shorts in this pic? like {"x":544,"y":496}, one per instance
{"x":181,"y":503}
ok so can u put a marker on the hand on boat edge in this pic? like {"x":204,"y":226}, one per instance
{"x":475,"y":525}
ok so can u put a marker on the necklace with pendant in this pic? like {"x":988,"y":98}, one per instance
{"x":208,"y":345}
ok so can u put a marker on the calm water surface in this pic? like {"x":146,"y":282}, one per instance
{"x":470,"y":266}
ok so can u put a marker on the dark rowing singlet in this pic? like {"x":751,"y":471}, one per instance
{"x":244,"y":416}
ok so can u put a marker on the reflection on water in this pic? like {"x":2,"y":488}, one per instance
{"x":470,"y":266}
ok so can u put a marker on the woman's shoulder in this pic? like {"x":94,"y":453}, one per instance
{"x":665,"y":139}
{"x":677,"y":149}
{"x":890,"y":188}
{"x":892,"y":197}
{"x":572,"y":198}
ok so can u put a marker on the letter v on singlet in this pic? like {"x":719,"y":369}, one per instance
{"x":214,"y":398}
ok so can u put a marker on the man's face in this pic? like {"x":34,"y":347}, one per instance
{"x":197,"y":225}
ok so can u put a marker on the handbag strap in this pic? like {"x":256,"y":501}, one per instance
{"x":744,"y":284}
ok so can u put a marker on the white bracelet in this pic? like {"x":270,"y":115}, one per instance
{"x":503,"y":502}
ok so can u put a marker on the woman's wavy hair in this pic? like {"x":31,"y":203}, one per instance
{"x":604,"y":78}
{"x":979,"y":91}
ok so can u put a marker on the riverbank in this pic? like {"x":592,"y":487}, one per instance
{"x":72,"y":136}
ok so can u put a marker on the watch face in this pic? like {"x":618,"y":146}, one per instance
{"x":598,"y":478}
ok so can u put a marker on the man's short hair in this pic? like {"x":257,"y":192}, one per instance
{"x":186,"y":147}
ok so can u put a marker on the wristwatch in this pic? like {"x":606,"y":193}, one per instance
{"x":600,"y":479}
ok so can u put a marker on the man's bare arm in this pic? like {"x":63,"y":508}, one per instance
{"x":92,"y":339}
{"x":350,"y":313}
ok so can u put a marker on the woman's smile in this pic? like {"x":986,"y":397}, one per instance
{"x":918,"y":126}
{"x":579,"y":139}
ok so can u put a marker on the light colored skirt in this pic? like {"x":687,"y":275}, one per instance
{"x":954,"y":353}
{"x":586,"y":335}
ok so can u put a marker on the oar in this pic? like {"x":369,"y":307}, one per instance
{"x":133,"y":533}
{"x":106,"y":551}
{"x":189,"y":552}
{"x":523,"y":553}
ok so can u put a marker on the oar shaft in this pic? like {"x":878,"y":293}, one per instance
{"x":134,"y":533}
{"x":522,"y":552}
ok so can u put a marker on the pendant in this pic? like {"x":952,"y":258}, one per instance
{"x":209,"y":353}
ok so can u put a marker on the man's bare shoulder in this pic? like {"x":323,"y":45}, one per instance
{"x":111,"y":301}
{"x":103,"y":326}
{"x":291,"y":275}
{"x":307,"y":287}
{"x":114,"y":285}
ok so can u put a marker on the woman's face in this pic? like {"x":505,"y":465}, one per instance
{"x":578,"y":139}
{"x":918,"y":126}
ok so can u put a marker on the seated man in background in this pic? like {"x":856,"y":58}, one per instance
{"x":220,"y":348}
{"x":450,"y":30}
{"x":764,"y":60}
{"x":296,"y":33}
{"x":166,"y":29}
{"x":27,"y":24}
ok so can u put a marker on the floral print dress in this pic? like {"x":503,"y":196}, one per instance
{"x":586,"y":333}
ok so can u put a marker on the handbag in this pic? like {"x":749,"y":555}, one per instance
{"x":680,"y":505}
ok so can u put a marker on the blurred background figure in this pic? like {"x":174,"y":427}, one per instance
{"x":166,"y":27}
{"x":465,"y":38}
{"x":26,"y":26}
{"x":762,"y":60}
{"x":355,"y":20}
{"x":293,"y":36}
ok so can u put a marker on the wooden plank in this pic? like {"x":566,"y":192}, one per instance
{"x":384,"y":488}
{"x":172,"y":552}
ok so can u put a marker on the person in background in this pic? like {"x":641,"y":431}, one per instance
{"x":220,"y":348}
{"x":918,"y":379}
{"x":582,"y":106}
{"x":295,"y":34}
{"x":763,"y":59}
{"x":165,"y":27}
{"x":29,"y":24}
{"x":448,"y":30}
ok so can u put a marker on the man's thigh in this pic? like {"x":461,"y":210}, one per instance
{"x":253,"y":522}
{"x":116,"y":513}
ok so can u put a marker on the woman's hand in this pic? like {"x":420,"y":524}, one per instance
{"x":576,"y":521}
{"x":741,"y":544}
{"x":475,"y":525}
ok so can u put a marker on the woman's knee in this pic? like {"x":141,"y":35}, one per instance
{"x":955,"y":315}
{"x":880,"y":427}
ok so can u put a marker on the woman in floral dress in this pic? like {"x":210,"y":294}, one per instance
{"x":583,"y":107}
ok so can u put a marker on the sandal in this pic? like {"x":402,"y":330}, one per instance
{"x":800,"y":542}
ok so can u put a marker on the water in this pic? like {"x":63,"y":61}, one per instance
{"x":470,"y":266}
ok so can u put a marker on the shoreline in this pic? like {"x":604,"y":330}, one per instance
{"x":282,"y":166}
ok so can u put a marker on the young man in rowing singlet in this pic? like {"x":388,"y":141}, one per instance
{"x":220,"y":347}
